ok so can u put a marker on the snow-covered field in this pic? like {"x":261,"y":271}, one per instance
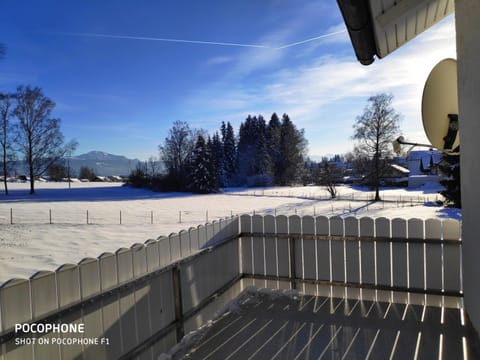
{"x":48,"y":229}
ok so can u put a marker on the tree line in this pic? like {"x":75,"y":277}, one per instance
{"x":28,"y":130}
{"x":261,"y":154}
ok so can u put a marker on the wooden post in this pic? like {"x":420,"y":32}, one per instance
{"x":87,"y":217}
{"x":120,"y":217}
{"x":11,"y":216}
{"x":50,"y":215}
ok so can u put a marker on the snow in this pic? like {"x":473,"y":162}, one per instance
{"x":31,"y":243}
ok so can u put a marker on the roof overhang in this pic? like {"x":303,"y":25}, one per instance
{"x":378,"y":27}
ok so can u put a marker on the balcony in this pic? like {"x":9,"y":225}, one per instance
{"x":277,"y":287}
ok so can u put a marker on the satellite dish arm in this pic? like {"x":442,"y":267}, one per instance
{"x":403,"y":142}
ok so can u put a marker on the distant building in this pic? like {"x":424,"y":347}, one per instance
{"x":423,"y":166}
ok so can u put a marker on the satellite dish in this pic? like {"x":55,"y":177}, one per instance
{"x":440,"y":107}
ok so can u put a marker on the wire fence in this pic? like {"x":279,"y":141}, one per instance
{"x":341,"y":206}
{"x":353,"y":196}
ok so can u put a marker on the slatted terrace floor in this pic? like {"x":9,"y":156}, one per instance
{"x":263,"y":326}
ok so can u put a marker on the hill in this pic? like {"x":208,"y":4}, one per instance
{"x":103,"y":163}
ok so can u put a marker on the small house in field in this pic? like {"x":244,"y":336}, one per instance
{"x":423,"y":166}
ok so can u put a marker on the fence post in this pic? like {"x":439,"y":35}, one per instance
{"x":11,"y":216}
{"x":206,"y":216}
{"x":87,"y":217}
{"x":177,"y":293}
{"x":50,"y":215}
{"x":151,"y":217}
{"x":180,"y":217}
{"x":120,"y":217}
{"x":291,"y":243}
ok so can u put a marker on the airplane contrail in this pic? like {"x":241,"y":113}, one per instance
{"x":107,"y":36}
{"x":310,"y":40}
{"x":202,"y":42}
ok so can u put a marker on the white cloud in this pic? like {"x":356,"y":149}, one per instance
{"x":324,"y":95}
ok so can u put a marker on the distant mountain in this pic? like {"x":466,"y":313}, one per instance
{"x":103,"y":164}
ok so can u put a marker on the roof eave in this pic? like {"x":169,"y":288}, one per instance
{"x":358,"y":20}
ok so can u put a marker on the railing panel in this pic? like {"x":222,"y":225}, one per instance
{"x":399,"y":228}
{"x":368,"y":262}
{"x":338,"y":260}
{"x":452,"y":267}
{"x":142,"y":312}
{"x":164,"y":251}
{"x":16,"y":352}
{"x":174,"y":240}
{"x":382,"y":251}
{"x":185,"y":249}
{"x":44,"y":293}
{"x":309,"y":260}
{"x":382,"y":228}
{"x":127,"y":319}
{"x":124,"y":265}
{"x":351,"y":227}
{"x":415,"y":229}
{"x":433,"y":266}
{"x":295,"y":225}
{"x":367,"y":227}
{"x":139,"y":260}
{"x":336,"y":226}
{"x":322,"y":224}
{"x":89,"y":277}
{"x":15,"y":303}
{"x":245,"y":224}
{"x":258,"y":243}
{"x":50,"y":352}
{"x":161,"y":298}
{"x":270,"y":246}
{"x":400,"y":264}
{"x":153,"y":255}
{"x":416,"y":254}
{"x":92,"y":318}
{"x":451,"y":230}
{"x":202,"y":236}
{"x":384,"y":273}
{"x":352,"y":261}
{"x":73,"y":351}
{"x":111,"y":324}
{"x":247,"y":255}
{"x":283,"y":246}
{"x":193,"y":234}
{"x":209,"y":232}
{"x":433,"y":229}
{"x":68,"y":285}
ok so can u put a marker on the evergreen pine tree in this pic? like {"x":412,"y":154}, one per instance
{"x":450,"y":167}
{"x":229,"y":152}
{"x":292,"y":150}
{"x":202,"y":174}
{"x":273,"y":140}
{"x":215,"y":147}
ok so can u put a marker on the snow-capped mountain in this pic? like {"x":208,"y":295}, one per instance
{"x":103,"y":163}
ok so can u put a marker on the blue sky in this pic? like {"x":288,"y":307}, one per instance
{"x":118,"y":87}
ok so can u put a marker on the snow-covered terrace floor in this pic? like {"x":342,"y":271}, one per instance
{"x":267,"y":324}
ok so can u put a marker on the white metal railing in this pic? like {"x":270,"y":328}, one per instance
{"x":411,"y":255}
{"x":149,"y":292}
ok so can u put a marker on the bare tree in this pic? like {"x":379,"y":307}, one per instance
{"x":153,"y":165}
{"x":374,"y":131}
{"x":176,"y":152}
{"x":6,"y":107}
{"x":39,"y":137}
